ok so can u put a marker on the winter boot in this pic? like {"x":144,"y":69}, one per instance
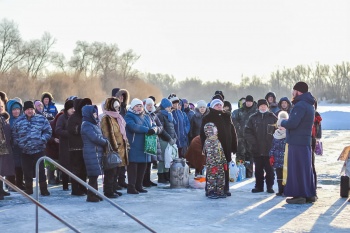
{"x":167,"y":176}
{"x":132,"y":190}
{"x":91,"y":197}
{"x":19,"y":178}
{"x":161,"y":178}
{"x":121,"y":177}
{"x":43,"y":189}
{"x":29,"y":188}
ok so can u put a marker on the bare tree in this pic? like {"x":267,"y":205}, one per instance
{"x":38,"y":54}
{"x":11,"y":50}
{"x":127,"y":60}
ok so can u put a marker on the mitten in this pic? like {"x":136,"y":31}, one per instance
{"x":151,"y":132}
{"x":272,"y":160}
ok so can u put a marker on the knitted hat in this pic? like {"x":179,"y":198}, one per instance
{"x":201,"y":103}
{"x":228,"y":104}
{"x":283,"y":115}
{"x":28,"y":104}
{"x":115,"y":91}
{"x":16,"y":105}
{"x":216,"y":102}
{"x":135,"y":102}
{"x":165,"y":103}
{"x":37,"y":103}
{"x":68,"y":105}
{"x":185,"y":101}
{"x":262,"y":101}
{"x":249,"y":98}
{"x":301,"y":86}
{"x":173,"y":98}
{"x":220,"y":93}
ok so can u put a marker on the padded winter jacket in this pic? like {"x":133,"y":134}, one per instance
{"x":278,"y":151}
{"x":50,"y":111}
{"x":196,"y":123}
{"x":179,"y":128}
{"x":301,"y":119}
{"x":168,"y":132}
{"x":259,"y":133}
{"x":137,"y":125}
{"x":93,"y":140}
{"x":31,"y":135}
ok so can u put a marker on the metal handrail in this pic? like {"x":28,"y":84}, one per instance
{"x":38,"y":204}
{"x":90,"y":188}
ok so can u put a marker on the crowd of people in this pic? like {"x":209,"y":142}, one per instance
{"x":274,"y":136}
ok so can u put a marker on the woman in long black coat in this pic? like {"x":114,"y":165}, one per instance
{"x":62,"y":131}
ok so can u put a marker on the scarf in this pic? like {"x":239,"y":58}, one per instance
{"x":167,"y":114}
{"x":120,"y":120}
{"x":279,"y":133}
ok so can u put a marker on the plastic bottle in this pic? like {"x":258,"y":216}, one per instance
{"x":243,"y":171}
{"x":239,"y":178}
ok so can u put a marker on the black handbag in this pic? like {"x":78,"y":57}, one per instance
{"x":110,"y":159}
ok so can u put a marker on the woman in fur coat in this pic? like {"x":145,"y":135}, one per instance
{"x":113,"y":128}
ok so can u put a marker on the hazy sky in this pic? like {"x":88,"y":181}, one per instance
{"x":196,"y":38}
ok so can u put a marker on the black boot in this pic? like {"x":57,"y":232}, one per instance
{"x":141,"y":170}
{"x":91,"y":197}
{"x":131,"y":189}
{"x":19,"y":178}
{"x":43,"y":189}
{"x":29,"y":188}
{"x":167,"y":176}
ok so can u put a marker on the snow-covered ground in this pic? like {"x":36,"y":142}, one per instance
{"x":188,"y":210}
{"x":177,"y":210}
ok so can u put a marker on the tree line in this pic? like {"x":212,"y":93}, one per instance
{"x":27,"y":68}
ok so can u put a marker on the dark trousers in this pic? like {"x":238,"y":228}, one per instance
{"x":262,"y":164}
{"x":227,"y":179}
{"x":28,"y":167}
{"x":78,"y":168}
{"x":108,"y":181}
{"x":313,"y":146}
{"x":279,"y":174}
{"x":120,"y":175}
{"x":136,"y":172}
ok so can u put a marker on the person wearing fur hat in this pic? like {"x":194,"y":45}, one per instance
{"x":150,"y":111}
{"x":93,"y":149}
{"x":271,"y":99}
{"x":75,"y":142}
{"x":277,"y":152}
{"x":50,"y":110}
{"x":227,"y":107}
{"x":168,"y":135}
{"x":258,"y":133}
{"x":31,"y":132}
{"x":138,"y":124}
{"x":113,"y":128}
{"x":300,"y":184}
{"x":123,"y":96}
{"x":7,"y":163}
{"x":61,"y":131}
{"x":226,"y":134}
{"x":15,"y":110}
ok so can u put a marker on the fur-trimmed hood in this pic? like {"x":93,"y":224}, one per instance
{"x":117,"y":92}
{"x":46,"y":95}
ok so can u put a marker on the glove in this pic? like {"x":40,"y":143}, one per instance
{"x":172,"y":142}
{"x":151,"y":132}
{"x":272,"y":160}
